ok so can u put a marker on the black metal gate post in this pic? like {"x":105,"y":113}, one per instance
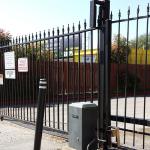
{"x":107,"y":71}
{"x":40,"y":114}
{"x":104,"y":25}
{"x":104,"y":51}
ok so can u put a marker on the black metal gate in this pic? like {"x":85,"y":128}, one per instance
{"x":78,"y":67}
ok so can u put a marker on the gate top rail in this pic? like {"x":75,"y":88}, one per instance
{"x":130,"y":19}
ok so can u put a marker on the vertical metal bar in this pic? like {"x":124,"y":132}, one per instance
{"x":79,"y":35}
{"x":9,"y":89}
{"x":13,"y":92}
{"x":33,"y":76}
{"x":10,"y":47}
{"x":145,"y":72}
{"x":49,"y":77}
{"x":53,"y":78}
{"x":17,"y":81}
{"x":6,"y":91}
{"x":107,"y":103}
{"x":74,"y":76}
{"x":85,"y":62}
{"x":44,"y":61}
{"x":126,"y":76}
{"x":5,"y":104}
{"x":36,"y":73}
{"x":118,"y":61}
{"x":40,"y":52}
{"x":22,"y":81}
{"x":14,"y":83}
{"x":135,"y":79}
{"x":63,"y":78}
{"x":3,"y":89}
{"x":29,"y":74}
{"x":2,"y":86}
{"x":68,"y":71}
{"x":27,"y":86}
{"x":40,"y":55}
{"x":21,"y":98}
{"x":101,"y":81}
{"x":58,"y":79}
{"x":91,"y":65}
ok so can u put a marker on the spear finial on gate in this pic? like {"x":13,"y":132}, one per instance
{"x":73,"y":28}
{"x":32,"y":37}
{"x":63,"y":30}
{"x":85,"y":24}
{"x":79,"y":26}
{"x":148,"y":9}
{"x":44,"y":34}
{"x":119,"y":14}
{"x":53,"y":32}
{"x":128,"y":11}
{"x":68,"y":28}
{"x":138,"y":10}
{"x":111,"y":15}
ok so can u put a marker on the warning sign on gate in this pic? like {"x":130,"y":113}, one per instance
{"x":9,"y":59}
{"x":10,"y":74}
{"x":23,"y":64}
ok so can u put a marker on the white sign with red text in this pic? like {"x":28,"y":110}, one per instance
{"x":23,"y":64}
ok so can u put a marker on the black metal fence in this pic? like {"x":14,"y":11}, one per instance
{"x":70,"y":61}
{"x":134,"y":78}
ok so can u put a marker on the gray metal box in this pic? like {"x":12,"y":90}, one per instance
{"x":82,"y":124}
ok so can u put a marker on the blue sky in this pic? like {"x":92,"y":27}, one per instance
{"x":21,"y":17}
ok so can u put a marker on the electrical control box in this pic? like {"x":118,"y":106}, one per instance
{"x":82,"y":124}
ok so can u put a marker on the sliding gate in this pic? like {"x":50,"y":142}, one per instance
{"x":77,"y":65}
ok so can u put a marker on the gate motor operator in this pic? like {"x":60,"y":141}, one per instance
{"x":82,"y":124}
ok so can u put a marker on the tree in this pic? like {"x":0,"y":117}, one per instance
{"x":5,"y":37}
{"x":120,"y":50}
{"x":143,"y":42}
{"x":34,"y":51}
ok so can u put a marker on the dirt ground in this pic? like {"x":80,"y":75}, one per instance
{"x":15,"y":137}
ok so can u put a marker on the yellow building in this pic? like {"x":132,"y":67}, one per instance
{"x":88,"y":55}
{"x":141,"y":56}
